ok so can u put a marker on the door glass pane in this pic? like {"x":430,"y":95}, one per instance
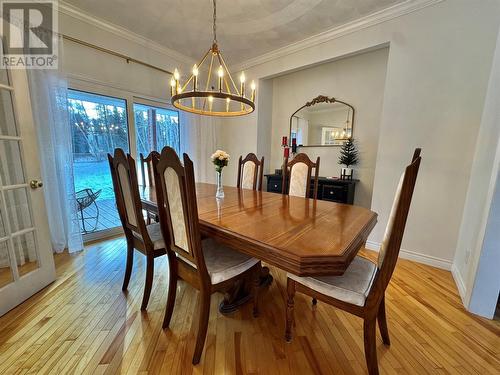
{"x":155,"y":128}
{"x":99,"y":125}
{"x":18,"y":209}
{"x":5,"y":271}
{"x":11,"y":166}
{"x":26,"y":253}
{"x":7,"y":122}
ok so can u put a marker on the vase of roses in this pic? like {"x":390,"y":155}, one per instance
{"x":220,"y":159}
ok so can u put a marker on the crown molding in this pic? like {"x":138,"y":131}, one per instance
{"x":77,"y":13}
{"x":373,"y":19}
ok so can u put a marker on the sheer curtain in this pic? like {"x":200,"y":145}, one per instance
{"x":48,"y":92}
{"x":199,"y":141}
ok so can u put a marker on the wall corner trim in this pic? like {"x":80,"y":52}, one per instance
{"x":416,"y":257}
{"x":459,"y":281}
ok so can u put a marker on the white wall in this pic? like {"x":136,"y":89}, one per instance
{"x":358,"y":80}
{"x":439,"y":62}
{"x":472,"y":241}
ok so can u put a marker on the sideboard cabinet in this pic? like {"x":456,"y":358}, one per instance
{"x":329,"y":189}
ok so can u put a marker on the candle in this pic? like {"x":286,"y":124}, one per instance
{"x":221,"y":75}
{"x":176,"y":77}
{"x":172,"y":86}
{"x":252,"y":86}
{"x":195,"y":77}
{"x":242,"y":86}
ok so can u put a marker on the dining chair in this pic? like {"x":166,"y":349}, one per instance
{"x":205,"y":264}
{"x":361,"y":289}
{"x":147,"y":170}
{"x":250,"y":172}
{"x":297,"y":176}
{"x":147,"y":239}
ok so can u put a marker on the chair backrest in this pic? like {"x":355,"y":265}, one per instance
{"x":250,"y":172}
{"x":128,"y":201}
{"x":297,"y":176}
{"x":147,"y":165}
{"x":177,"y":207}
{"x":391,"y":243}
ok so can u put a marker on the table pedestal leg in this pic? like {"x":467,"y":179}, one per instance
{"x":239,"y":293}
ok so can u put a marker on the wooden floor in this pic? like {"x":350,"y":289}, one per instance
{"x":83,"y":323}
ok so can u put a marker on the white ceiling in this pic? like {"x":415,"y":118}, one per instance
{"x":245,"y":28}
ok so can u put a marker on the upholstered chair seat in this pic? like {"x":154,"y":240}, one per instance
{"x":352,"y":287}
{"x":154,"y":232}
{"x":224,"y":263}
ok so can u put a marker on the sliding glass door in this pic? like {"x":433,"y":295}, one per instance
{"x":155,"y":128}
{"x":99,"y":125}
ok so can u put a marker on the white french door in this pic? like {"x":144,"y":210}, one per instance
{"x":26,"y":261}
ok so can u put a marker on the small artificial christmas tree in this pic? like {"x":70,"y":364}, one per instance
{"x":348,"y":156}
{"x":348,"y":153}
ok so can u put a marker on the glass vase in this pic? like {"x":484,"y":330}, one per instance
{"x":220,"y":189}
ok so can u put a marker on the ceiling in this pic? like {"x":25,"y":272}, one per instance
{"x":245,"y":28}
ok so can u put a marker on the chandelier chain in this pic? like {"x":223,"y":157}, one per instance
{"x":215,"y":19}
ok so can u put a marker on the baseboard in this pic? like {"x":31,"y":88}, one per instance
{"x":416,"y":257}
{"x":459,"y":281}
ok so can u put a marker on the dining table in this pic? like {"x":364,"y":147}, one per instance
{"x":306,"y":237}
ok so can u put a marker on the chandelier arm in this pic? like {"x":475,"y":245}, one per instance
{"x":227,"y":86}
{"x":199,"y":64}
{"x":230,"y":77}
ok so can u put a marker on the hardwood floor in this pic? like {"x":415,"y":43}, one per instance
{"x":83,"y":323}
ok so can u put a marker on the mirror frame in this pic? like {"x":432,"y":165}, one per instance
{"x":316,"y":100}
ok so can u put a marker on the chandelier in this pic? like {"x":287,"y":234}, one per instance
{"x":218,"y":95}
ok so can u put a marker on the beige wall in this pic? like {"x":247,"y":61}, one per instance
{"x":358,"y":80}
{"x":439,"y":61}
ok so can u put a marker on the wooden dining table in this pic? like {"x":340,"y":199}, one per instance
{"x":306,"y":237}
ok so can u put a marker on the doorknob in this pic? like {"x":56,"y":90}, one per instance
{"x":35,"y":184}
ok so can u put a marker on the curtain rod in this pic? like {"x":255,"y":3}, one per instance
{"x":117,"y":54}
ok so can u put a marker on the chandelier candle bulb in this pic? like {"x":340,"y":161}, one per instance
{"x":195,"y":77}
{"x":172,"y":86}
{"x":177,"y":76}
{"x":252,"y":86}
{"x":242,"y":86}
{"x":221,"y":76}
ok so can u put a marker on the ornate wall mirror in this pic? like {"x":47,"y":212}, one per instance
{"x":323,"y":121}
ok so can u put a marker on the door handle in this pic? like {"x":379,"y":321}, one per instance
{"x":35,"y":184}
